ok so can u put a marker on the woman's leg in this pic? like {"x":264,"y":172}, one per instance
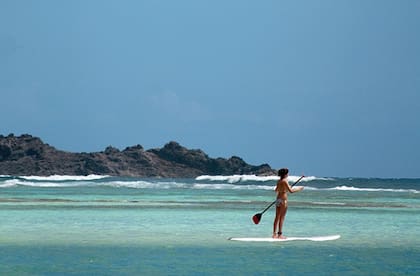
{"x":276,"y":222}
{"x":282,"y":213}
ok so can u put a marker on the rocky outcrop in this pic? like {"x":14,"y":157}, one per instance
{"x":28,"y":155}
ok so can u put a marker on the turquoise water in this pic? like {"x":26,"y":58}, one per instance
{"x":127,"y":226}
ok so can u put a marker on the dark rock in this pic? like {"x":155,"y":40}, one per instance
{"x":5,"y":152}
{"x":28,"y":155}
{"x":111,"y":150}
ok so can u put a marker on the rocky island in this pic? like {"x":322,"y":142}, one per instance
{"x":29,"y":155}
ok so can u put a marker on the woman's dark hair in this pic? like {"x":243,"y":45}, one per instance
{"x":283,"y":172}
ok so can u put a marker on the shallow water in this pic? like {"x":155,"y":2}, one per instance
{"x":129,"y":226}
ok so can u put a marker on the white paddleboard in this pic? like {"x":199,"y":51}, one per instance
{"x":319,"y":238}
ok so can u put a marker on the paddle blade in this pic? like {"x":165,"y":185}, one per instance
{"x":256,"y":218}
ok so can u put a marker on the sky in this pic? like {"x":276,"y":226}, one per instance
{"x":323,"y":87}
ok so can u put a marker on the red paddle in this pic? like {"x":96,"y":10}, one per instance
{"x":257,"y":217}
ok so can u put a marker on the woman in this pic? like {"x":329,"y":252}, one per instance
{"x":281,"y":202}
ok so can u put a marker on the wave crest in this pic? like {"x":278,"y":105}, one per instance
{"x":350,"y":188}
{"x":243,"y":178}
{"x":65,"y":177}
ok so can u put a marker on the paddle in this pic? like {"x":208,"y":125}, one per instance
{"x":257,"y":217}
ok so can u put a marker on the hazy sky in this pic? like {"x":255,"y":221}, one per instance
{"x":326,"y":88}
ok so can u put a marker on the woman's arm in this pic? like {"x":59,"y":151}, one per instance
{"x":293,"y":190}
{"x":289,"y":189}
{"x":297,"y":189}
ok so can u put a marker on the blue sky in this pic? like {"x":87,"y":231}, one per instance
{"x":326,"y":88}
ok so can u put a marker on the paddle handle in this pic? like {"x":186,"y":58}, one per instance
{"x":268,"y":207}
{"x":298,"y":180}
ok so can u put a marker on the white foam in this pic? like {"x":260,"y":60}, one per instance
{"x":17,"y":182}
{"x":242,"y":178}
{"x":9,"y":183}
{"x":236,"y":178}
{"x":231,"y":187}
{"x":65,"y":177}
{"x":177,"y":185}
{"x":80,"y":181}
{"x":147,"y":185}
{"x":347,"y":188}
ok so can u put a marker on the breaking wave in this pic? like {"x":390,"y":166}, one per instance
{"x":206,"y":182}
{"x":245,"y":178}
{"x":65,"y":177}
{"x":347,"y":188}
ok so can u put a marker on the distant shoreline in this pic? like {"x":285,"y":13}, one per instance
{"x":28,"y":155}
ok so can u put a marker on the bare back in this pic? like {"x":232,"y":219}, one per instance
{"x":282,"y":188}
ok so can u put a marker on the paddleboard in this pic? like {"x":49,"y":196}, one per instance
{"x":319,"y":238}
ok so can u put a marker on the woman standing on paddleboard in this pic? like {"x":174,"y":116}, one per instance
{"x":281,"y":202}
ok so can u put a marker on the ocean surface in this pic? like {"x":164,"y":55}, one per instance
{"x":66,"y":225}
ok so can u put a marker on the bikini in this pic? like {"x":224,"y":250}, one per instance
{"x":279,"y":201}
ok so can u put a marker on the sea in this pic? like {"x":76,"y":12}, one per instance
{"x":105,"y":225}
